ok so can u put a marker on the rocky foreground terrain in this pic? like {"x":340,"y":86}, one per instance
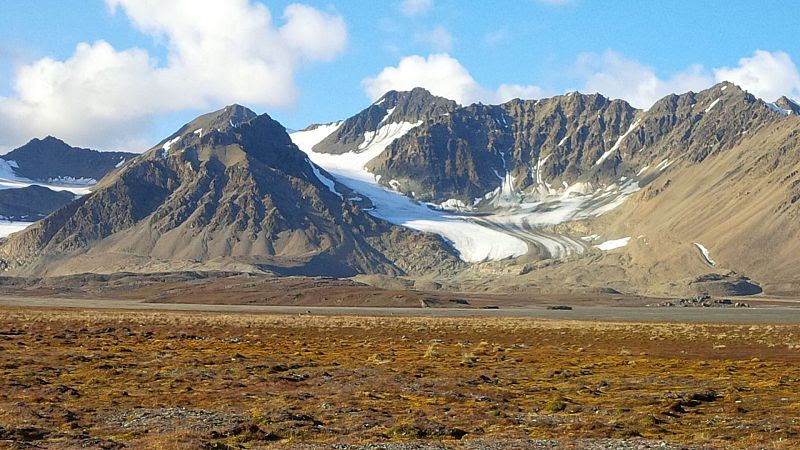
{"x":118,"y":379}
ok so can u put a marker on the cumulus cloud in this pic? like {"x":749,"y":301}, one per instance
{"x":442,"y":75}
{"x":437,"y":38}
{"x":508,"y":92}
{"x":615,"y":76}
{"x":219,"y":51}
{"x":414,"y":7}
{"x":767,"y":75}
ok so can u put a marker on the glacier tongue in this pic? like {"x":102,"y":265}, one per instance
{"x":506,"y":233}
{"x":473,"y":241}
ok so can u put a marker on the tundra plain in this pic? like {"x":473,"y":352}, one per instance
{"x":170,"y":379}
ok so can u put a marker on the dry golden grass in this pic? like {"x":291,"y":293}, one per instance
{"x":184,"y":380}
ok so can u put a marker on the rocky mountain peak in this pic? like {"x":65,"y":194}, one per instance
{"x":394,"y":107}
{"x":51,"y":158}
{"x":415,"y":103}
{"x":232,"y":135}
{"x":50,"y":142}
{"x":222,"y":120}
{"x":787,"y":104}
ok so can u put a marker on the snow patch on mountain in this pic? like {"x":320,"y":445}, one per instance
{"x":618,"y":143}
{"x":10,"y":180}
{"x":712,"y":105}
{"x":388,"y":114}
{"x":170,"y":143}
{"x":308,"y":138}
{"x":323,"y":179}
{"x":375,"y":142}
{"x":505,"y":195}
{"x":706,"y":254}
{"x":614,"y":244}
{"x":778,"y":109}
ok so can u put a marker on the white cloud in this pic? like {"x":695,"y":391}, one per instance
{"x":313,"y":33}
{"x":615,"y":76}
{"x":442,"y":75}
{"x":508,"y":92}
{"x":219,"y":51}
{"x":437,"y":38}
{"x":414,"y":7}
{"x":439,"y":73}
{"x":768,"y":75}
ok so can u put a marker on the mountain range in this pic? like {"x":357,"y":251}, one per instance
{"x":46,"y":174}
{"x":575,"y":193}
{"x":229,"y":190}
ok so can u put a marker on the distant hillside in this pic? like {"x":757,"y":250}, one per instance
{"x":51,"y":159}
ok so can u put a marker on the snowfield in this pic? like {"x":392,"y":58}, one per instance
{"x":323,"y":179}
{"x":706,"y":254}
{"x":307,"y":139}
{"x":8,"y":227}
{"x":10,"y":180}
{"x":474,"y":242}
{"x":618,"y":143}
{"x":509,"y":230}
{"x":614,"y":244}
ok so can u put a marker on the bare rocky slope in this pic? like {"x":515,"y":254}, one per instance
{"x":579,"y":142}
{"x":227,"y":191}
{"x":696,"y":194}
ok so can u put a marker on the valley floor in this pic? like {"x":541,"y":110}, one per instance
{"x":150,"y":379}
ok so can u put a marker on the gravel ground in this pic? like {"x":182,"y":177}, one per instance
{"x":583,"y":444}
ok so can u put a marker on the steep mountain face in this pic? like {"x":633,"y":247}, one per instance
{"x":52,"y":160}
{"x":228,"y":190}
{"x":582,"y":192}
{"x":31,"y":203}
{"x":479,"y":149}
{"x":788,"y":105}
{"x":394,"y":107}
{"x":568,"y":144}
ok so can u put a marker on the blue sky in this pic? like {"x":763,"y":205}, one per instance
{"x":638,"y":50}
